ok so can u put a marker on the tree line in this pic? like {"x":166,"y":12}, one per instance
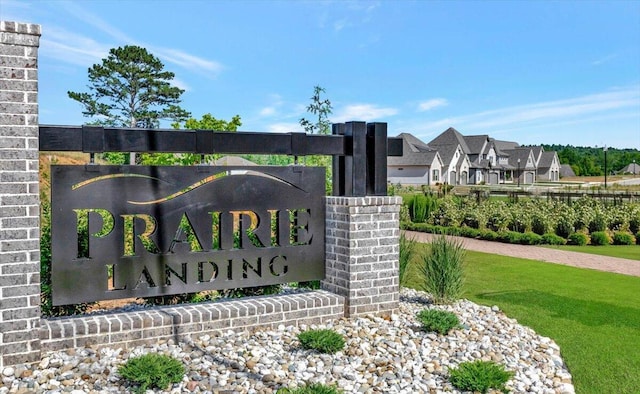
{"x":589,"y":161}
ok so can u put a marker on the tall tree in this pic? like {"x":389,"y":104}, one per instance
{"x":130,"y":88}
{"x":321,"y":108}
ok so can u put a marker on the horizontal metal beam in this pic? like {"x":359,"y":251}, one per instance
{"x":115,"y":139}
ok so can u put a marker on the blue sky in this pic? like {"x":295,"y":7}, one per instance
{"x":528,"y":71}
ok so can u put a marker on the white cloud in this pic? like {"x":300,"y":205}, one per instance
{"x":188,"y":61}
{"x":604,"y":59}
{"x":431,"y":104}
{"x":551,"y":112}
{"x":362,"y":112}
{"x":267,"y":111}
{"x":285,"y":128}
{"x":72,"y":48}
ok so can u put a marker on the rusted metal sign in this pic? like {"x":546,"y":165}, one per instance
{"x":140,"y":231}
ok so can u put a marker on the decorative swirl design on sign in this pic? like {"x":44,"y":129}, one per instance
{"x":110,"y":176}
{"x":202,"y":182}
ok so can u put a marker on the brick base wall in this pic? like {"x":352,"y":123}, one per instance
{"x":129,"y":329}
{"x":362,"y":247}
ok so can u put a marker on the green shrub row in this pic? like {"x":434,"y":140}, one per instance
{"x":539,"y":216}
{"x":528,"y":238}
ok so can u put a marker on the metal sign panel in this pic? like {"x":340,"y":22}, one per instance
{"x":140,"y":231}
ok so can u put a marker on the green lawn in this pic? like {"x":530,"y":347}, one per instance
{"x":593,"y":316}
{"x":623,"y":251}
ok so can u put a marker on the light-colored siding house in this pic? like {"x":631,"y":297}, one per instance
{"x":418,"y":165}
{"x":453,"y":151}
{"x":549,"y":166}
{"x":524,"y":164}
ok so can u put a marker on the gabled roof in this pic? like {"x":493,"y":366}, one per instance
{"x":415,"y":152}
{"x":522,"y":154}
{"x":477,"y":143}
{"x":446,"y":152}
{"x":566,"y":170}
{"x":450,"y":136}
{"x":503,"y":146}
{"x":546,"y":159}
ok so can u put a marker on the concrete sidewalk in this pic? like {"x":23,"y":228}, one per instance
{"x":575,"y":259}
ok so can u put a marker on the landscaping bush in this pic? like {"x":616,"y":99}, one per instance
{"x":564,"y":226}
{"x":311,"y":389}
{"x":434,"y":320}
{"x":488,"y":235}
{"x":597,"y":224}
{"x":553,"y":239}
{"x":479,"y":376}
{"x":638,"y":238}
{"x":579,"y":239}
{"x":152,"y":371}
{"x":442,"y":269}
{"x":599,"y":238}
{"x":530,"y":238}
{"x":469,"y":232}
{"x":407,"y":251}
{"x":623,"y":238}
{"x":324,"y":340}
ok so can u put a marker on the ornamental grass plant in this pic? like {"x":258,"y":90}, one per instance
{"x":442,"y":270}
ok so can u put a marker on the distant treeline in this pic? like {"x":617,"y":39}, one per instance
{"x":587,"y":161}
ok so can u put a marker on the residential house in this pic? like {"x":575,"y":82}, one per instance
{"x":525,"y":164}
{"x":418,"y":165}
{"x":548,"y":166}
{"x":454,"y":154}
{"x":459,"y":160}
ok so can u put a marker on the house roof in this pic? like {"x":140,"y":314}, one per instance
{"x":233,"y":161}
{"x":503,"y":146}
{"x":477,"y":143}
{"x":450,"y":136}
{"x":632,"y":168}
{"x":415,"y":152}
{"x":522,"y":154}
{"x":546,"y":159}
{"x":566,"y":170}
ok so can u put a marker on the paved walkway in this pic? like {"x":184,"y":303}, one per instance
{"x":575,"y":259}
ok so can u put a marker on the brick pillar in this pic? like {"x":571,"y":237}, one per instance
{"x":19,"y":194}
{"x":362,"y":247}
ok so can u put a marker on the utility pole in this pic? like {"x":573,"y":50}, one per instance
{"x":605,"y":166}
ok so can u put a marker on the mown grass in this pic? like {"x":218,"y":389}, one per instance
{"x":593,"y":316}
{"x":631,"y":252}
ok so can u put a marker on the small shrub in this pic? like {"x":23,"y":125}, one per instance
{"x":152,"y":371}
{"x":488,"y":235}
{"x":479,"y":376}
{"x":530,"y":238}
{"x":579,"y":239}
{"x":407,"y":251}
{"x":442,"y":269}
{"x":623,"y":238}
{"x":469,"y":232}
{"x":311,"y":389}
{"x":438,"y":321}
{"x":638,"y":238}
{"x":598,"y":224}
{"x":324,"y":341}
{"x":553,"y":239}
{"x":599,"y":238}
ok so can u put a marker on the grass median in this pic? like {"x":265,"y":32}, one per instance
{"x":593,"y":316}
{"x":631,"y":252}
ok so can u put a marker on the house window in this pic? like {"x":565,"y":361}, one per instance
{"x":434,"y":175}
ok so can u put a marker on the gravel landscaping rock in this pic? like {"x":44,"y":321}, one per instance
{"x":391,"y":355}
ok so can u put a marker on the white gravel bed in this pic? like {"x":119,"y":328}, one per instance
{"x":380,"y":356}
